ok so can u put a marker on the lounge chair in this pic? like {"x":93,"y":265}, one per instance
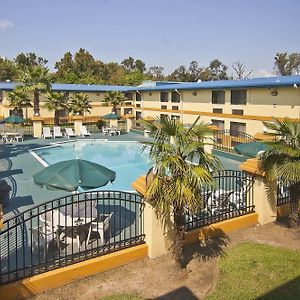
{"x":19,"y":137}
{"x":57,"y":132}
{"x":47,"y":133}
{"x":114,"y":131}
{"x":104,"y":130}
{"x":84,"y":131}
{"x":69,"y":132}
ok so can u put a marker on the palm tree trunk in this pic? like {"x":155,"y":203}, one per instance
{"x":36,"y":102}
{"x":179,"y":235}
{"x":56,"y":118}
{"x":294,"y":206}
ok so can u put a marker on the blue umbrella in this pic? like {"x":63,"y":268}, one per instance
{"x":111,"y":116}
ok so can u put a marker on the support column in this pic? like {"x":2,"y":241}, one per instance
{"x":113,"y":123}
{"x":37,"y":123}
{"x":264,"y":193}
{"x":128,"y":125}
{"x":77,"y":124}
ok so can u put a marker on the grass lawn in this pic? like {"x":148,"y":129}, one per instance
{"x":255,"y":271}
{"x":122,"y":297}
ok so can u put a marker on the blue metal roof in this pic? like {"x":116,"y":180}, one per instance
{"x":230,"y":84}
{"x":218,"y":84}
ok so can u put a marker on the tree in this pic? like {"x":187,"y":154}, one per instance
{"x":114,"y":99}
{"x":18,"y":99}
{"x":215,"y":71}
{"x":156,"y":73}
{"x":35,"y":79}
{"x":179,"y":74}
{"x":128,"y":63}
{"x":175,"y":185}
{"x":287,"y":64}
{"x":140,"y":66}
{"x":194,"y":71}
{"x":79,"y":103}
{"x":26,"y":60}
{"x":56,"y":101}
{"x":240,"y":70}
{"x":282,"y":160}
{"x":8,"y":70}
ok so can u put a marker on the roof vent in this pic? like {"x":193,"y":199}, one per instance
{"x":199,"y":80}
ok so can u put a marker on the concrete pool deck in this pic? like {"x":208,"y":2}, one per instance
{"x":17,"y":166}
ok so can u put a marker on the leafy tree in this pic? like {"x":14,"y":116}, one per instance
{"x":114,"y":99}
{"x":175,"y":186}
{"x":18,"y":99}
{"x":240,"y":70}
{"x":179,"y":74}
{"x":8,"y":70}
{"x":133,"y":78}
{"x":128,"y":63}
{"x":194,"y":71}
{"x":156,"y":73}
{"x":287,"y":64}
{"x":215,"y":71}
{"x":79,"y":103}
{"x":140,"y":66}
{"x":282,"y":160}
{"x":26,"y":60}
{"x":35,"y":79}
{"x":56,"y":101}
{"x":134,"y":65}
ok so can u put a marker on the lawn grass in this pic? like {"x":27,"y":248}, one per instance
{"x":256,"y":271}
{"x":122,"y":297}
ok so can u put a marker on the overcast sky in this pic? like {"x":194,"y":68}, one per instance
{"x":166,"y":33}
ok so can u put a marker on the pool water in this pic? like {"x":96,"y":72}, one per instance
{"x":125,"y":158}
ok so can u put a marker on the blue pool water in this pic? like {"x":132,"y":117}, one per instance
{"x":125,"y":158}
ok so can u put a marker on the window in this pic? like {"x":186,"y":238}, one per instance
{"x":164,"y":96}
{"x":218,"y":123}
{"x":1,"y":95}
{"x":163,"y":116}
{"x":218,"y":97}
{"x":138,"y":115}
{"x":236,"y":127}
{"x":163,"y":106}
{"x":175,"y":108}
{"x":239,"y":97}
{"x":138,"y":97}
{"x":237,"y":112}
{"x":175,"y":97}
{"x":175,"y":117}
{"x":128,"y":96}
{"x":127,"y":111}
{"x":217,"y":110}
{"x":138,"y":105}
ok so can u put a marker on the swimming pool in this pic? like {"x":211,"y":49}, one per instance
{"x":125,"y":158}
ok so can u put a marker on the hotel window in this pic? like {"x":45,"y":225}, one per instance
{"x":164,"y":96}
{"x":236,"y":127}
{"x":138,"y":115}
{"x":217,"y":110}
{"x":175,"y":97}
{"x":238,"y":97}
{"x":138,"y":105}
{"x":138,"y":97}
{"x":175,"y":108}
{"x":1,"y":95}
{"x":128,"y":96}
{"x":163,"y":106}
{"x":175,"y":117}
{"x":218,"y":123}
{"x":237,"y":112}
{"x":218,"y":97}
{"x":163,"y":116}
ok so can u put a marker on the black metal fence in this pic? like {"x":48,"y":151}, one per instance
{"x":225,"y":140}
{"x":231,"y":197}
{"x":283,"y":193}
{"x":69,"y":230}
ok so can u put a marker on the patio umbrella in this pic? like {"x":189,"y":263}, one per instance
{"x":71,"y":174}
{"x":250,"y":149}
{"x":111,"y":116}
{"x":12,"y":120}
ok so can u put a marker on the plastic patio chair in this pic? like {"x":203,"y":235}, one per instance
{"x":84,"y":131}
{"x":69,"y":132}
{"x":47,"y":133}
{"x":57,"y":132}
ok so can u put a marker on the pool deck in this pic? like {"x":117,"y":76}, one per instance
{"x":17,"y":166}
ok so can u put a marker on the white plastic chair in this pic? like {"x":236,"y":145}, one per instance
{"x":70,"y":132}
{"x":57,"y":132}
{"x":84,"y":131}
{"x":47,"y":133}
{"x":104,"y":130}
{"x":19,"y":137}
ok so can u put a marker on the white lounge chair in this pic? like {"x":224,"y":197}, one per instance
{"x":114,"y":131}
{"x":19,"y":137}
{"x":47,"y":133}
{"x":104,"y":130}
{"x":84,"y":131}
{"x":69,"y":132}
{"x":57,"y":132}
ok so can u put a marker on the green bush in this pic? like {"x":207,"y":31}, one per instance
{"x":100,"y":123}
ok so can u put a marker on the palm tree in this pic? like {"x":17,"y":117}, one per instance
{"x":36,"y":79}
{"x":19,"y":100}
{"x":282,"y":160}
{"x":79,"y":103}
{"x":56,"y":101}
{"x":114,"y":99}
{"x":176,"y":184}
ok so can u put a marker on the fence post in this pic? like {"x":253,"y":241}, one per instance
{"x":264,"y":191}
{"x":37,"y":123}
{"x":77,"y":124}
{"x":159,"y":237}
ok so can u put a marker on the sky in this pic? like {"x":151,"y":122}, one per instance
{"x":166,"y":33}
